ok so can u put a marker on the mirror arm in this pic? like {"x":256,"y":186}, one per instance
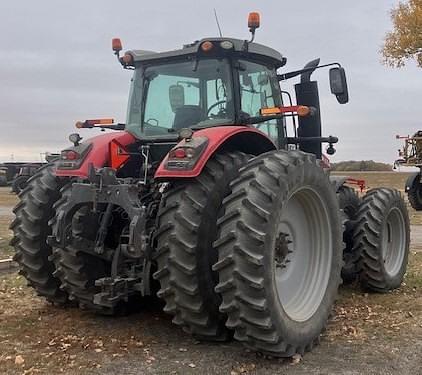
{"x":295,"y":73}
{"x":294,"y":140}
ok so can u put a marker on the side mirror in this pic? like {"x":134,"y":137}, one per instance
{"x":176,"y":96}
{"x":338,"y":85}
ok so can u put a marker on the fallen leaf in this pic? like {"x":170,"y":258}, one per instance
{"x":295,"y":359}
{"x":19,"y":360}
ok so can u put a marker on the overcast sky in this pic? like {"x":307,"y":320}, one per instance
{"x":56,"y":64}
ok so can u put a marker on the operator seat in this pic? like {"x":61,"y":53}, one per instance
{"x":186,"y":116}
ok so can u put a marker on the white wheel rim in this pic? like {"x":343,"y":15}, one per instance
{"x":393,"y":242}
{"x":303,"y":266}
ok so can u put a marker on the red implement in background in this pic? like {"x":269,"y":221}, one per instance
{"x":357,"y":182}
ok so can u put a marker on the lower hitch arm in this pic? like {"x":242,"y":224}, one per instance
{"x":102,"y":231}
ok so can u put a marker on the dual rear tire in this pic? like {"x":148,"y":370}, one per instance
{"x":186,"y":230}
{"x":381,"y":238}
{"x":280,"y":253}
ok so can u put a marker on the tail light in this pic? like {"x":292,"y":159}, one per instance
{"x":186,"y":154}
{"x":69,"y":155}
{"x":182,"y":153}
{"x":73,"y":157}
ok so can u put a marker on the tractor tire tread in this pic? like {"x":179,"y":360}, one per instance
{"x":183,"y":218}
{"x":368,"y":242}
{"x":30,"y":231}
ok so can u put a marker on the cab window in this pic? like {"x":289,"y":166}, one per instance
{"x":168,"y":97}
{"x":259,"y":89}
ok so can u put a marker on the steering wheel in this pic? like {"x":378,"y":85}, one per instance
{"x":148,"y":122}
{"x":214,"y":105}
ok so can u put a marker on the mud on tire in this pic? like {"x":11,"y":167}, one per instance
{"x":186,"y":229}
{"x":258,"y":243}
{"x":30,"y":231}
{"x":382,"y":237}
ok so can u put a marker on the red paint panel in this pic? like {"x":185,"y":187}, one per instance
{"x":99,"y":154}
{"x":118,"y":155}
{"x":216,"y":137}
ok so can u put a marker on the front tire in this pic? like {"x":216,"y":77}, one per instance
{"x":280,"y":253}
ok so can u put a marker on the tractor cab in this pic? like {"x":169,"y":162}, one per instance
{"x":220,"y":83}
{"x":225,"y":81}
{"x":211,"y":82}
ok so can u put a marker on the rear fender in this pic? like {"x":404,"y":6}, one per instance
{"x":412,"y":180}
{"x":99,"y":154}
{"x":227,"y":138}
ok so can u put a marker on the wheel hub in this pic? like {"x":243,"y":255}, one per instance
{"x":282,"y":251}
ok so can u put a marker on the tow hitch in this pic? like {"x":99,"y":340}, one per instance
{"x":104,"y":193}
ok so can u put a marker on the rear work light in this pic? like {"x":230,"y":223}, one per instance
{"x":127,"y":59}
{"x":226,"y":44}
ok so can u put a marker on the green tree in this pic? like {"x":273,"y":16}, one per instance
{"x":405,"y":41}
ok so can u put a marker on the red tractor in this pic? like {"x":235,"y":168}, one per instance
{"x":203,"y":199}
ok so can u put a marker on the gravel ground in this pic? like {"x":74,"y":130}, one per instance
{"x":393,"y":357}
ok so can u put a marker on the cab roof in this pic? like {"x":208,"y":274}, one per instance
{"x":241,"y":48}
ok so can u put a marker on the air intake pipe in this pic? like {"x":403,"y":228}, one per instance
{"x":309,"y":126}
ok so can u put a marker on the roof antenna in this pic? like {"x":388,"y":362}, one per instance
{"x":218,"y":24}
